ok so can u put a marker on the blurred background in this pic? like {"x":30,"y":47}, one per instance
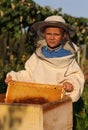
{"x":17,"y":42}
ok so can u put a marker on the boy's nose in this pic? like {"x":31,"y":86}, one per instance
{"x":52,"y":36}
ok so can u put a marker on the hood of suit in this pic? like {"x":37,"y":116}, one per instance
{"x":61,"y":61}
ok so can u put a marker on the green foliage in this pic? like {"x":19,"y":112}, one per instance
{"x":82,"y":115}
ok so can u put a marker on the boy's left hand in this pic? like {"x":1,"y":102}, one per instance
{"x":68,"y":87}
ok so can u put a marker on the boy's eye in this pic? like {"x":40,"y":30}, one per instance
{"x":48,"y":34}
{"x":57,"y":34}
{"x":53,"y":34}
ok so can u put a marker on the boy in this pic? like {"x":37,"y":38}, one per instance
{"x":53,"y":62}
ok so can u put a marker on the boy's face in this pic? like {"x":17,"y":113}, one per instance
{"x":53,"y":36}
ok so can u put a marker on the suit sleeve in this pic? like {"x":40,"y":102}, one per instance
{"x":25,"y":75}
{"x":75,"y":76}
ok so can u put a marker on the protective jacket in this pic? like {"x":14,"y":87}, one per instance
{"x":39,"y":69}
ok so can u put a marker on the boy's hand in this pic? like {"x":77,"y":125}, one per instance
{"x":8,"y":79}
{"x":68,"y":87}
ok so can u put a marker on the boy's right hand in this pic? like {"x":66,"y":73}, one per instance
{"x":8,"y":79}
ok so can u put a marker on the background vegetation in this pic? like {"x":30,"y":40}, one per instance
{"x":17,"y":43}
